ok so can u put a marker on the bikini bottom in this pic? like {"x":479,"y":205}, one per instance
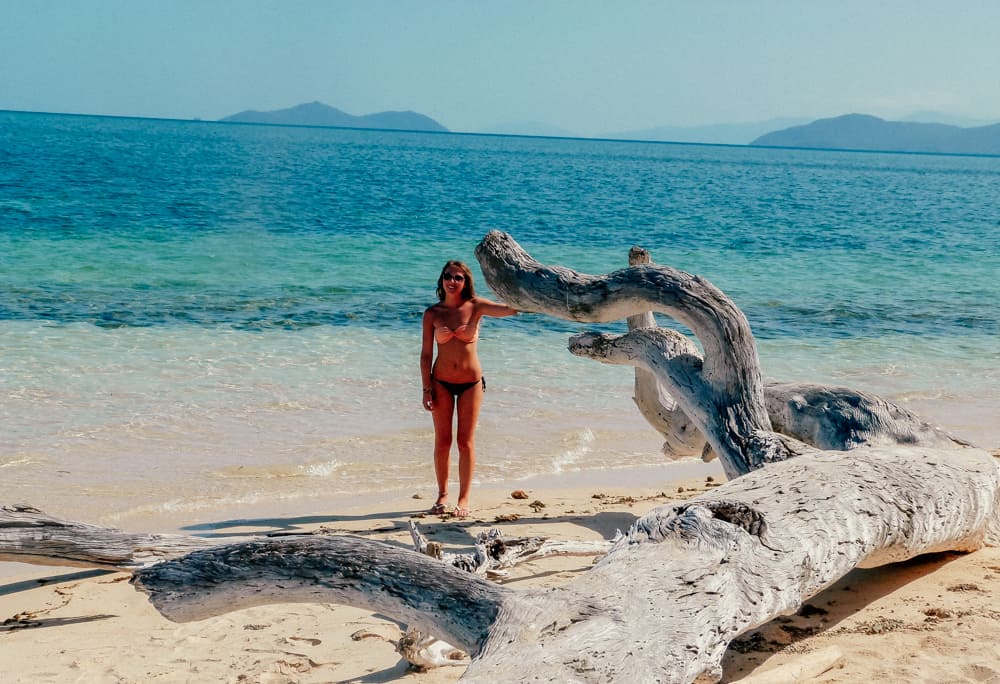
{"x":456,"y":389}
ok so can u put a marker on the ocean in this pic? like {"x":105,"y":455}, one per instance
{"x":203,"y":321}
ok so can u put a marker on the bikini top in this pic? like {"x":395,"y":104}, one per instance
{"x":445,"y":334}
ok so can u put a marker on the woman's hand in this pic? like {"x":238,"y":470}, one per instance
{"x":428,"y":400}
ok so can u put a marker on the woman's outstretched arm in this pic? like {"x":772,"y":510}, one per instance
{"x":487,"y":308}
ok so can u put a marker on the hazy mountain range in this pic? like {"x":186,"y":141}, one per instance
{"x":865,"y":132}
{"x":919,"y":132}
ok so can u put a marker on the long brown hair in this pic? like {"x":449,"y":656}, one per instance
{"x":468,"y":292}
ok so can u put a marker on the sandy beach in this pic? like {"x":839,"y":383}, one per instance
{"x":933,"y":619}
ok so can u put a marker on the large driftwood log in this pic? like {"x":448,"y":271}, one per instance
{"x":722,"y":393}
{"x":28,"y":535}
{"x":824,"y":416}
{"x":686,"y":579}
{"x":667,"y":599}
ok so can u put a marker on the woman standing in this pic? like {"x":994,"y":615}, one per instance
{"x":453,"y":383}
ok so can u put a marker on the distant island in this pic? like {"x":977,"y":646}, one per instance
{"x":319,"y":114}
{"x":865,"y":132}
{"x":848,"y":132}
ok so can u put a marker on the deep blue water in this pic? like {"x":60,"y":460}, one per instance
{"x":136,"y":222}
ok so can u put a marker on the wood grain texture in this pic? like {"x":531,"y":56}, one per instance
{"x":28,"y":535}
{"x":424,"y":593}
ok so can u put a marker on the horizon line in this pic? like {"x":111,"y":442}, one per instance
{"x":505,"y":135}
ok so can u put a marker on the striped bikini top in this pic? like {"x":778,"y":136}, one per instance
{"x":444,"y":334}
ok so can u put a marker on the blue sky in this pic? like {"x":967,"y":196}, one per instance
{"x":585,"y":66}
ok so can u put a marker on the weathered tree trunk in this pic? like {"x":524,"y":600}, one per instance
{"x":823,"y":416}
{"x":680,"y":437}
{"x":664,"y":603}
{"x":28,"y":535}
{"x":826,"y":417}
{"x":722,"y":394}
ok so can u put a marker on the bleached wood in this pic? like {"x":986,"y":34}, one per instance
{"x":424,"y":593}
{"x":28,"y":535}
{"x":722,"y":394}
{"x":823,"y":416}
{"x":669,"y":596}
{"x":841,"y":418}
{"x":681,"y":438}
{"x":494,"y":553}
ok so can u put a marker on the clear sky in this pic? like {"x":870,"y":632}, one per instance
{"x":587,"y":66}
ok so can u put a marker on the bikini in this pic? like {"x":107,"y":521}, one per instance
{"x":456,"y":389}
{"x":443,"y":334}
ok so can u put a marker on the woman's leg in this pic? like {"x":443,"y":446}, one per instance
{"x":444,"y":408}
{"x":469,"y":403}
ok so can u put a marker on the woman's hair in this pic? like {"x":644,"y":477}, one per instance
{"x":468,"y":292}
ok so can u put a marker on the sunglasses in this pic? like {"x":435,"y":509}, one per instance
{"x":457,"y":277}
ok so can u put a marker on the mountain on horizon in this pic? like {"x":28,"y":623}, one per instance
{"x":713,"y":134}
{"x":866,"y":132}
{"x":319,"y":114}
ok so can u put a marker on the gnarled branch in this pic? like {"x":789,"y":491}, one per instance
{"x":823,"y":416}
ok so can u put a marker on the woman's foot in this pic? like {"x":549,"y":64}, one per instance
{"x":461,"y":512}
{"x":440,"y":506}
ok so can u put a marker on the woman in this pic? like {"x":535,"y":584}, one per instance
{"x":454,"y":383}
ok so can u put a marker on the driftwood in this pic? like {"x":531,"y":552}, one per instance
{"x":667,"y":599}
{"x":492,"y":557}
{"x":494,"y":554}
{"x":722,"y":393}
{"x":687,"y":578}
{"x":824,"y":416}
{"x":657,"y":406}
{"x":27,"y":535}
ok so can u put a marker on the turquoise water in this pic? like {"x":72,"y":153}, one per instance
{"x":198,"y":317}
